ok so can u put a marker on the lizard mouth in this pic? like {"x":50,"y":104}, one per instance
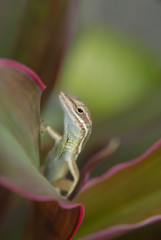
{"x":62,"y":95}
{"x":64,"y":99}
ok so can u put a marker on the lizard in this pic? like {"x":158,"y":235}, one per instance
{"x":63,"y":156}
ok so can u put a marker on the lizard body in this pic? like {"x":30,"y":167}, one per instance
{"x":62,"y":157}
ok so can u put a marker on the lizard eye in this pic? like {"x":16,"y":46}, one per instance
{"x":80,"y":110}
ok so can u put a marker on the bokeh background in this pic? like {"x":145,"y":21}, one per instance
{"x":106,"y":52}
{"x":113,"y":64}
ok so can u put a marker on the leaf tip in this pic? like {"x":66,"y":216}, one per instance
{"x":24,"y":68}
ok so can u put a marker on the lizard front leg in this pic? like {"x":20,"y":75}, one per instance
{"x":52,"y":132}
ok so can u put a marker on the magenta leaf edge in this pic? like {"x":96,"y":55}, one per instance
{"x":120,"y":229}
{"x":22,"y":67}
{"x":81,"y":216}
{"x":35,"y":197}
{"x":120,"y":167}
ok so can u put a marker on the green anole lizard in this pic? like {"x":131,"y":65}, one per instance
{"x":62,"y":157}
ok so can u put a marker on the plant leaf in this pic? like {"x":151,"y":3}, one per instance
{"x":147,"y":232}
{"x":19,"y":127}
{"x":54,"y":222}
{"x":20,"y":91}
{"x":128,"y":196}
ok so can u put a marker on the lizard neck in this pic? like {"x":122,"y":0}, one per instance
{"x":72,"y":127}
{"x":73,"y":136}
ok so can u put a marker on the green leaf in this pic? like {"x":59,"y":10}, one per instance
{"x":20,"y":92}
{"x":128,"y":194}
{"x":19,"y":129}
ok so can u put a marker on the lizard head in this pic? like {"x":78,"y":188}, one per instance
{"x":76,"y":112}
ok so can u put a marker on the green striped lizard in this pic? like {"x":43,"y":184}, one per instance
{"x":62,"y":157}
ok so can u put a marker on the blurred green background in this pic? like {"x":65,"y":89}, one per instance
{"x":113,"y":65}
